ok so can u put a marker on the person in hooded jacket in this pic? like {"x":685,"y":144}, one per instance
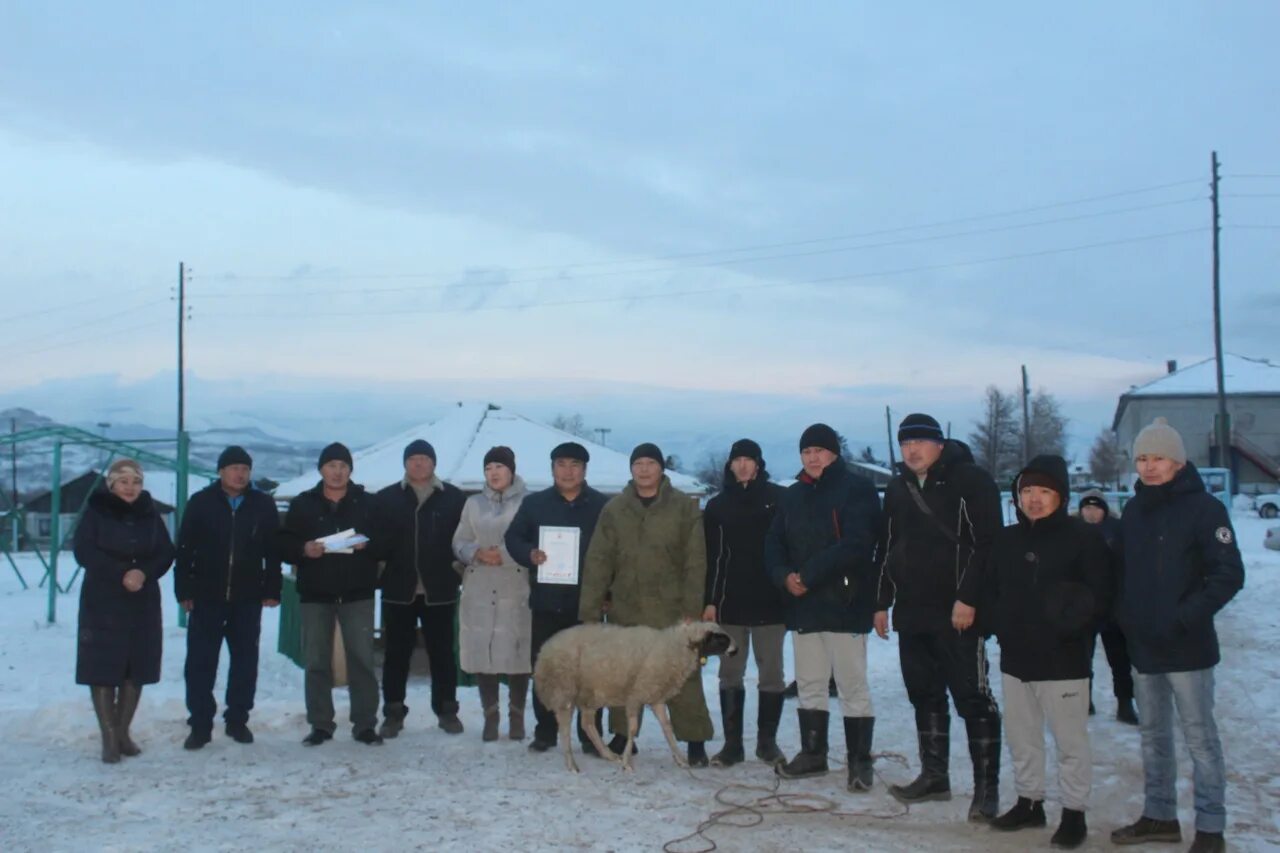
{"x":1094,"y":509}
{"x":124,"y":548}
{"x":820,"y":551}
{"x":1181,"y":565}
{"x":494,"y":624}
{"x":336,"y":586}
{"x":227,"y":571}
{"x":742,"y":598}
{"x":420,"y":587}
{"x":1050,"y":584}
{"x":941,"y":514}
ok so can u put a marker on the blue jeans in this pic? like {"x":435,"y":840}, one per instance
{"x":1192,"y":694}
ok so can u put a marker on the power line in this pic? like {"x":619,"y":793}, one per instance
{"x":104,"y":334}
{"x":96,"y":321}
{"x":1256,"y":175}
{"x":69,"y":305}
{"x":1251,"y":195}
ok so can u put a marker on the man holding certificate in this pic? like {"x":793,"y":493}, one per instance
{"x":549,"y":536}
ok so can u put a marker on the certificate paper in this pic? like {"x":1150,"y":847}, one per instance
{"x":560,"y":544}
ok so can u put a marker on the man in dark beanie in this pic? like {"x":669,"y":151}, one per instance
{"x":647,"y":565}
{"x":568,"y":504}
{"x":743,"y":600}
{"x":227,"y":569}
{"x":336,"y":585}
{"x":942,"y":513}
{"x":420,"y":587}
{"x":820,"y":551}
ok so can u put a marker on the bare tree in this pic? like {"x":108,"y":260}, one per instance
{"x":711,"y":471}
{"x":1105,"y":462}
{"x":869,"y":456}
{"x":1048,"y":425}
{"x":672,"y":462}
{"x":573,"y":424}
{"x":996,"y":439}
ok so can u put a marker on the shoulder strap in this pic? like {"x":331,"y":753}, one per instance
{"x":914,"y":491}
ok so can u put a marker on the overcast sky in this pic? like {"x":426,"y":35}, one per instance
{"x":840,"y":205}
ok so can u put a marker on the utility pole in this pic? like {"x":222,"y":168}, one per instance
{"x":182,"y":316}
{"x":1026,"y":419}
{"x":888,"y":428}
{"x":603,"y":432}
{"x":13,"y":461}
{"x":1222,"y":423}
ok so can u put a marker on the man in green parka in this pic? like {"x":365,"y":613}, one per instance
{"x":647,"y":565}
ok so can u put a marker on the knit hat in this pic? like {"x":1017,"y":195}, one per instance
{"x":234,"y":455}
{"x":1048,"y":471}
{"x":1160,"y":439}
{"x":917,"y":427}
{"x":748,"y":448}
{"x":419,"y":447}
{"x":336,"y":452}
{"x":503,"y":456}
{"x":820,"y":435}
{"x":570,"y":450}
{"x":122,"y":468}
{"x":1094,"y":497}
{"x":648,"y":450}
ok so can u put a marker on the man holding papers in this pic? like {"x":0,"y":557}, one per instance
{"x":549,"y":536}
{"x":337,"y":575}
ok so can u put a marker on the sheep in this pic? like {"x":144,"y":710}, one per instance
{"x":595,"y":666}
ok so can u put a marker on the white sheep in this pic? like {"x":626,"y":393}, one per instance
{"x":597,"y":666}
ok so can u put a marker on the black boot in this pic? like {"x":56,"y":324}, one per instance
{"x":731,"y":706}
{"x":239,"y":732}
{"x":1207,"y":842}
{"x":198,"y":739}
{"x":934,"y":782}
{"x":618,"y":744}
{"x":1125,"y":712}
{"x":697,"y":753}
{"x":1025,"y":813}
{"x":1146,"y":829}
{"x":104,"y":706}
{"x":768,"y":713}
{"x":448,"y":720}
{"x":984,"y":750}
{"x":812,"y":758}
{"x":1071,"y":831}
{"x":393,"y":714}
{"x":126,"y":707}
{"x":317,"y":737}
{"x":857,"y":739}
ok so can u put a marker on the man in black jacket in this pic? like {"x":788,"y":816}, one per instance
{"x":941,"y":513}
{"x":1050,"y":584}
{"x":569,"y":503}
{"x":1095,"y":510}
{"x":420,"y":587}
{"x":820,"y":552}
{"x":1181,"y":565}
{"x":744,"y":600}
{"x":336,"y":583}
{"x":227,"y":569}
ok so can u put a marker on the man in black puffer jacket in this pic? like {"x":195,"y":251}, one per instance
{"x":1181,"y":565}
{"x":932,"y":577}
{"x":742,"y":598}
{"x":227,"y":570}
{"x":1095,"y":510}
{"x":820,"y":551}
{"x":1050,"y":584}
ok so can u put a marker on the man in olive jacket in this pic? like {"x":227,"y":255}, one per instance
{"x":647,"y":565}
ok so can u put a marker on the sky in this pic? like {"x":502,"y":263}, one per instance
{"x":730,"y":217}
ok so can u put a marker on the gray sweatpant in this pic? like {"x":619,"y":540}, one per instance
{"x":766,"y":645}
{"x":1065,"y":704}
{"x":356,"y":619}
{"x":823,"y":655}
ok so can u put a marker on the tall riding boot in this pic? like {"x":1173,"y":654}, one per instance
{"x":812,"y":758}
{"x":488,"y":686}
{"x":517,"y":691}
{"x":984,"y":749}
{"x":126,"y":706}
{"x":768,"y":713}
{"x":104,"y":705}
{"x":731,"y":702}
{"x":934,"y":781}
{"x":857,"y":740}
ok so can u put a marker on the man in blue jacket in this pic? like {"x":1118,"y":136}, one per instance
{"x":1181,"y":566}
{"x":227,"y":570}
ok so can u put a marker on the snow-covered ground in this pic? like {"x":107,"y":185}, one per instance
{"x":427,"y":790}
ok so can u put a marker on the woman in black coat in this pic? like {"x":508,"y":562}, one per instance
{"x":124,"y":548}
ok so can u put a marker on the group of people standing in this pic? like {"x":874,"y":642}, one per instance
{"x":823,"y":558}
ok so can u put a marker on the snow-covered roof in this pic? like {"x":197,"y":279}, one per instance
{"x":463,"y":436}
{"x":1240,"y":375}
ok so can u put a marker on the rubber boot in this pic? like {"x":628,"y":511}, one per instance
{"x":812,"y":758}
{"x":104,"y":706}
{"x":517,"y":691}
{"x":934,"y":781}
{"x":126,"y":707}
{"x":731,"y":707}
{"x":488,"y":686}
{"x":768,"y":714}
{"x":393,"y":714}
{"x":858,"y":733}
{"x":984,"y":750}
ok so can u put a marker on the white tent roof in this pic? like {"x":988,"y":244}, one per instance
{"x":463,"y":436}
{"x":1240,"y":375}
